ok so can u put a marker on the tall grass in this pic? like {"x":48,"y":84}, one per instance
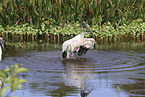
{"x":14,"y":12}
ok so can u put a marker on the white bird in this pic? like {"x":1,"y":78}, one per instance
{"x":70,"y":46}
{"x":87,"y":44}
{"x":0,"y":84}
{"x":1,"y":47}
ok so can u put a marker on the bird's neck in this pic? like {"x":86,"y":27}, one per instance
{"x":82,"y":31}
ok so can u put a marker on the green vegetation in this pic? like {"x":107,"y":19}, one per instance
{"x":14,"y":12}
{"x":56,"y":19}
{"x":9,"y":78}
{"x":134,"y":31}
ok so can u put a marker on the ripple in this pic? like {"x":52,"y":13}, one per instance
{"x":48,"y":72}
{"x":116,"y":61}
{"x":138,"y":92}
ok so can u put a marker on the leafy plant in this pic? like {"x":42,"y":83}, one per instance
{"x":134,"y":28}
{"x":98,"y":12}
{"x":9,"y":78}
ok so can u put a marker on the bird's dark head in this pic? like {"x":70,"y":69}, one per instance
{"x":84,"y":24}
{"x":2,"y":43}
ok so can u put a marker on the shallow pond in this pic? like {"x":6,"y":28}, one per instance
{"x":117,"y":70}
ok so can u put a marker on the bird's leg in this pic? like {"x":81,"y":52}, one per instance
{"x":73,"y":55}
{"x":68,"y":55}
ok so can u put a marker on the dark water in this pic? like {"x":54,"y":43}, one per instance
{"x":117,"y":70}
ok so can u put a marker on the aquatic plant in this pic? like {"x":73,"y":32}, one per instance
{"x":133,"y":31}
{"x":9,"y":78}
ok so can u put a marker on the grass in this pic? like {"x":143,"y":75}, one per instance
{"x":133,"y":31}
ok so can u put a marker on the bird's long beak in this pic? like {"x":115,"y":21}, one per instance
{"x":87,"y":26}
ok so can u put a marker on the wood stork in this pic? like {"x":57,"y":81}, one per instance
{"x":1,"y":47}
{"x":87,"y":44}
{"x":69,"y":47}
{"x":0,"y":84}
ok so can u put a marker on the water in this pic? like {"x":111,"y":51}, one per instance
{"x":117,"y":70}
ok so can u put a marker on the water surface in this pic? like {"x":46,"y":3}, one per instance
{"x":117,"y":70}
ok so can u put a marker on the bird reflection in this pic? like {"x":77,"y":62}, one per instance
{"x":79,"y":74}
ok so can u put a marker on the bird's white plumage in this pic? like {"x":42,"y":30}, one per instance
{"x":71,"y":45}
{"x":0,"y":84}
{"x":0,"y":53}
{"x":88,"y":43}
{"x":1,"y":47}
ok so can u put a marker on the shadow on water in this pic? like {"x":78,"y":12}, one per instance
{"x":98,"y":73}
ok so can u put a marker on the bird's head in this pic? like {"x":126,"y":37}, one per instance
{"x":2,"y":43}
{"x":84,"y":24}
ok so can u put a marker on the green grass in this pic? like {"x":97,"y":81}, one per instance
{"x":135,"y":29}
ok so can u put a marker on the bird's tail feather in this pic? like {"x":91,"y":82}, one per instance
{"x":82,"y":50}
{"x":64,"y":54}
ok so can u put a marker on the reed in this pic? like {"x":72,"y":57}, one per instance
{"x":15,"y":12}
{"x":59,"y":39}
